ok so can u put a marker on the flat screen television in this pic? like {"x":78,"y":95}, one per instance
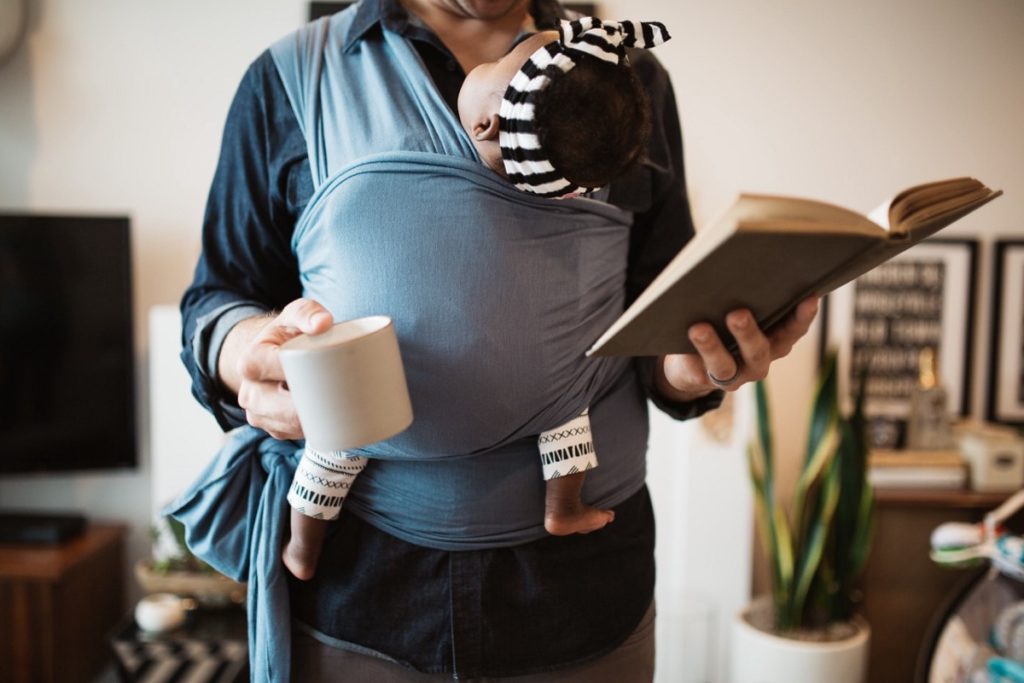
{"x":67,"y":369}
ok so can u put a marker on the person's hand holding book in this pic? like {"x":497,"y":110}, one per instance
{"x":687,"y":376}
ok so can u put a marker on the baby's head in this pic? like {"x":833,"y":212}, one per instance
{"x":562,"y":112}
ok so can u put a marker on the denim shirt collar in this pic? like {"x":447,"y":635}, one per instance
{"x":390,"y":14}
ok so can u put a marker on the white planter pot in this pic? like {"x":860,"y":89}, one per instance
{"x":760,"y":657}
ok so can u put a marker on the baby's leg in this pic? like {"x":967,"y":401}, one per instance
{"x":302,"y":550}
{"x":564,"y":511}
{"x":567,"y":452}
{"x":322,"y":480}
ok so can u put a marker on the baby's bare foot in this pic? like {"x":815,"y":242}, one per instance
{"x":305,"y":539}
{"x":565,"y":519}
{"x":300,"y":559}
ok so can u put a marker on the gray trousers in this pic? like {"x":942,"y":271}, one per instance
{"x":315,"y":662}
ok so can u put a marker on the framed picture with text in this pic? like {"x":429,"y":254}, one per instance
{"x":885,"y":319}
{"x":1006,"y":353}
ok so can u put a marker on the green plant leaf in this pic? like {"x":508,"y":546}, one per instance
{"x":785,"y":618}
{"x":860,"y":547}
{"x":772,"y":528}
{"x":821,"y":444}
{"x":810,"y":497}
{"x":772,"y":523}
{"x":855,"y":517}
{"x":760,"y":505}
{"x":817,"y":552}
{"x":764,"y":422}
{"x":818,"y":536}
{"x":825,"y":407}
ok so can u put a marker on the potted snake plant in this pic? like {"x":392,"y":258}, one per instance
{"x":807,"y":629}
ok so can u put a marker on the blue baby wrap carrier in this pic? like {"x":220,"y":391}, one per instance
{"x":495,"y":296}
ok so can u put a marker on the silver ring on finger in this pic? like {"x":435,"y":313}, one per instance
{"x":726,"y":381}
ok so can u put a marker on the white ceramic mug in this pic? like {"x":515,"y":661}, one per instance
{"x":348,"y":384}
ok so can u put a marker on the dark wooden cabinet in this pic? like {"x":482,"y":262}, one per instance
{"x":58,"y":605}
{"x":903,"y":589}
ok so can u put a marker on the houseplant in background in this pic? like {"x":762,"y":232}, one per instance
{"x":807,"y":629}
{"x":174,"y":569}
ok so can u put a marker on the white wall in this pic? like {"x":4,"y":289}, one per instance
{"x":704,"y":522}
{"x":846,"y":101}
{"x":117,"y":106}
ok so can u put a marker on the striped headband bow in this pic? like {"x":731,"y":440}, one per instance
{"x":526,"y":163}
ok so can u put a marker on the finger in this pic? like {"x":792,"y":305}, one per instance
{"x":305,"y":315}
{"x":685,"y":372}
{"x":268,"y":406}
{"x":795,"y":326}
{"x":717,"y":359}
{"x":754,"y":347}
{"x":261,"y":362}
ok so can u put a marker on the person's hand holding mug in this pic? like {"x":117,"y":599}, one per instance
{"x":249,"y":364}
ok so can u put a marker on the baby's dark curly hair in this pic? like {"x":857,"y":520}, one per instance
{"x":593,"y":121}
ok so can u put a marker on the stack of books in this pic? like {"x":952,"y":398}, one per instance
{"x":917,"y":469}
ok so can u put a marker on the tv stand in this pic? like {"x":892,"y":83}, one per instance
{"x":39,"y":527}
{"x":58,"y":603}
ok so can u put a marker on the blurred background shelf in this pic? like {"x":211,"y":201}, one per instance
{"x":58,"y":604}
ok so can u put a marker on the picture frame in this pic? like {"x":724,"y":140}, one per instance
{"x":1005,"y":396}
{"x":924,"y":297}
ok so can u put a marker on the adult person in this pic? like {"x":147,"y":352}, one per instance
{"x":383,"y":606}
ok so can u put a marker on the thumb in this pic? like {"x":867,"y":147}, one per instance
{"x":261,"y":362}
{"x":305,"y":315}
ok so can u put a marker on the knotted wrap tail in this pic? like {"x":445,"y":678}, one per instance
{"x":234,"y":517}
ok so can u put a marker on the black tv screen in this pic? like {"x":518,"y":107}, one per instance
{"x":67,"y":378}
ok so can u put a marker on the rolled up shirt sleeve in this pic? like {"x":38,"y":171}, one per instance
{"x":246,"y":266}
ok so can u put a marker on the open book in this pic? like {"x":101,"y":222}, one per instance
{"x":769,"y":253}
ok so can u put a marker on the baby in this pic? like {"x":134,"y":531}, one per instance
{"x":559,"y":116}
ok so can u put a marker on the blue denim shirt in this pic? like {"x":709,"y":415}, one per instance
{"x":529,"y":607}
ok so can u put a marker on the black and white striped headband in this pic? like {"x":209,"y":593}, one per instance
{"x":526,"y":164}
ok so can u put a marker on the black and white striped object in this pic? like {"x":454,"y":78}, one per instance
{"x":526,"y":164}
{"x":183,"y":660}
{"x":568,"y":449}
{"x":322,"y":481}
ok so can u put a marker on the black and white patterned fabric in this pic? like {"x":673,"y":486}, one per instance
{"x":182,"y":661}
{"x":527,"y":165}
{"x":322,"y":481}
{"x":568,"y":449}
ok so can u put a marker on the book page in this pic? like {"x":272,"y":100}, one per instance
{"x":923,"y":204}
{"x":880,"y":214}
{"x":789,"y":211}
